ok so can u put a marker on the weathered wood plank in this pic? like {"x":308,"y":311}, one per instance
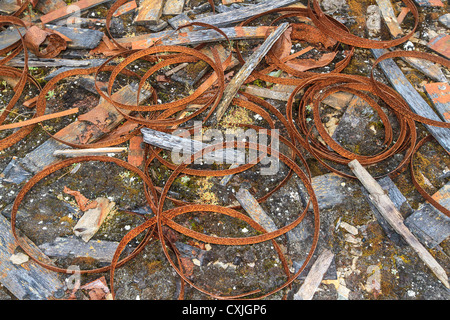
{"x":8,"y":7}
{"x":47,"y":6}
{"x":439,"y":94}
{"x":87,"y":152}
{"x":189,"y":147}
{"x":180,"y":20}
{"x":387,"y":208}
{"x":427,"y":67}
{"x":74,"y":247}
{"x":238,"y":15}
{"x":191,"y":78}
{"x":429,"y":3}
{"x":125,"y":8}
{"x":48,"y":63}
{"x":441,"y":44}
{"x":387,"y":11}
{"x":412,"y":97}
{"x":28,"y":280}
{"x":267,"y":93}
{"x":254,"y":210}
{"x":329,"y":190}
{"x":81,"y":38}
{"x":243,"y":73}
{"x":400,"y":203}
{"x":149,"y":11}
{"x":173,"y":7}
{"x":65,"y":11}
{"x":428,"y":223}
{"x":196,"y":36}
{"x":315,"y":276}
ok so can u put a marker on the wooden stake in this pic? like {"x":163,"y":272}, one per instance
{"x":247,"y":69}
{"x":388,"y":210}
{"x":315,"y":276}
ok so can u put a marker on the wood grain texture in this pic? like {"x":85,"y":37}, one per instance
{"x":243,"y":73}
{"x":28,"y":280}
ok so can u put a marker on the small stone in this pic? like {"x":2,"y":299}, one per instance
{"x":196,"y":262}
{"x":19,"y":258}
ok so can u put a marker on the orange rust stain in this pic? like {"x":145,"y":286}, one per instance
{"x":439,"y":92}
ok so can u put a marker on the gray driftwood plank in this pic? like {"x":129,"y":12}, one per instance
{"x":27,"y":281}
{"x":315,"y":276}
{"x":195,"y":36}
{"x":238,"y":15}
{"x":413,"y":98}
{"x":81,"y":38}
{"x":254,"y":209}
{"x":186,"y":147}
{"x":251,"y":63}
{"x":75,"y":247}
{"x":400,"y":203}
{"x":429,"y":224}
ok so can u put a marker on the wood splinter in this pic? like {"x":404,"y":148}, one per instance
{"x":234,"y":85}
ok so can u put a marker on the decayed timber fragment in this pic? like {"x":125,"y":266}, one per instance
{"x":315,"y":276}
{"x":254,"y":210}
{"x":428,"y":68}
{"x":80,"y":38}
{"x":74,"y":8}
{"x":185,"y":37}
{"x":46,"y":6}
{"x":87,"y":152}
{"x":387,"y":208}
{"x":267,"y":93}
{"x":429,"y":224}
{"x":412,"y":97}
{"x":439,"y":94}
{"x":238,"y":15}
{"x":173,"y":7}
{"x":149,"y":11}
{"x":27,"y":280}
{"x":251,"y":63}
{"x":187,"y":147}
{"x":400,"y":203}
{"x":429,"y":3}
{"x":389,"y":17}
{"x":100,"y":250}
{"x":441,"y":44}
